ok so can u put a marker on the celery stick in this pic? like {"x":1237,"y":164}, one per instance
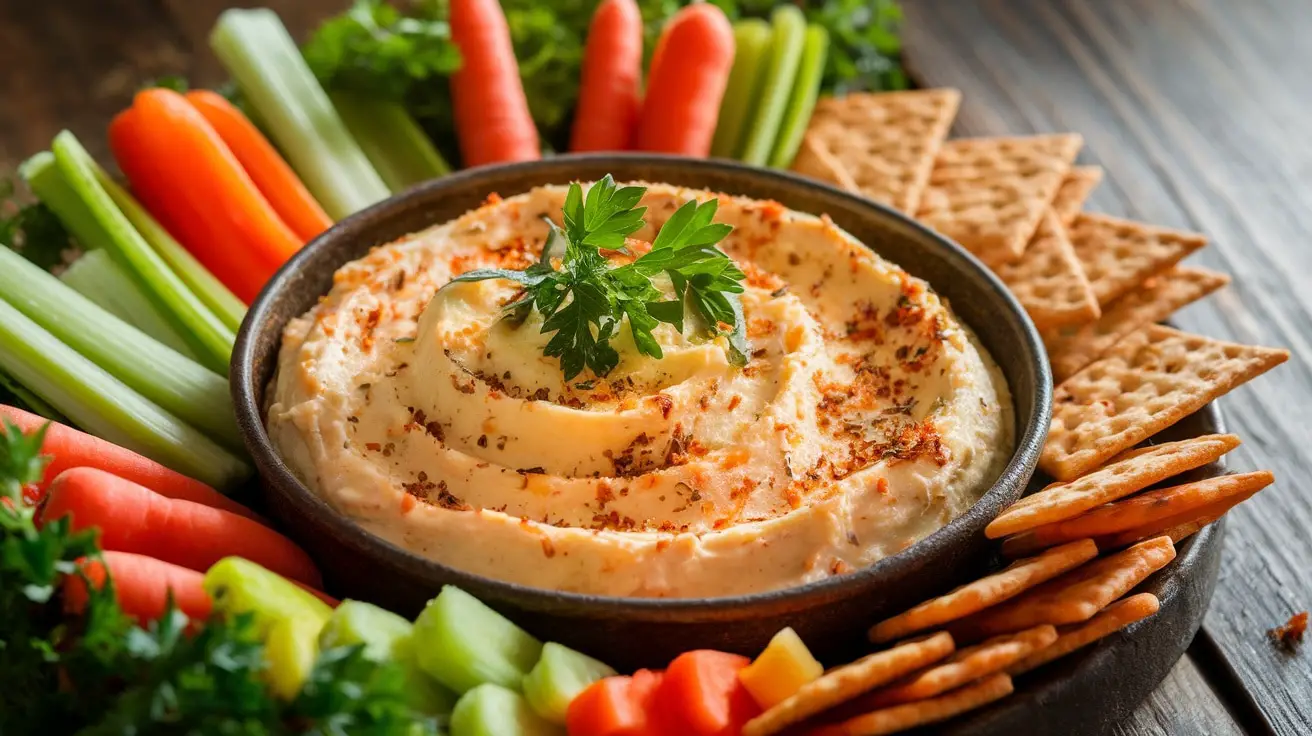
{"x":751,"y":45}
{"x":180,"y":386}
{"x":785,"y":53}
{"x":270,"y":71}
{"x":102,"y":405}
{"x":96,"y":277}
{"x":45,"y":181}
{"x":206,"y":333}
{"x":27,"y":400}
{"x":806,"y":88}
{"x":395,"y":144}
{"x":222,"y":302}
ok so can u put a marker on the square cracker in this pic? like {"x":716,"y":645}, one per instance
{"x":1049,"y":281}
{"x":1073,"y":597}
{"x":1075,"y":189}
{"x":814,"y":160}
{"x":1128,"y":474}
{"x":844,"y":683}
{"x":1115,"y":617}
{"x":987,"y":591}
{"x":885,"y":142}
{"x":1118,"y":255}
{"x":1139,"y":510}
{"x":1151,"y":380}
{"x":922,"y":712}
{"x":988,"y":194}
{"x":1072,"y":348}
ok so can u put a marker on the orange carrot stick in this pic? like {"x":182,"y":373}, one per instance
{"x":136,"y":519}
{"x":69,"y":448}
{"x":493,"y":121}
{"x":689,"y":72}
{"x":141,"y":586}
{"x":165,"y":145}
{"x":606,"y":116}
{"x":271,"y":174}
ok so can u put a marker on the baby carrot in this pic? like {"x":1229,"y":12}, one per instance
{"x":493,"y":121}
{"x":607,"y":111}
{"x":618,"y":706}
{"x":135,"y":519}
{"x":702,"y":695}
{"x":689,"y":72}
{"x":69,"y":448}
{"x":142,"y":586}
{"x":271,"y":174}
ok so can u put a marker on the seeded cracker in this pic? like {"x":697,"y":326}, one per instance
{"x":1075,"y":189}
{"x":1118,"y":255}
{"x":1128,"y":474}
{"x":966,"y":666}
{"x":1114,"y":618}
{"x":987,"y":591}
{"x":1151,"y":380}
{"x":814,"y":160}
{"x":988,"y":194}
{"x":1049,"y":281}
{"x":1072,"y":348}
{"x":850,"y":680}
{"x":902,"y":717}
{"x":1137,"y":511}
{"x":884,"y":142}
{"x":1073,"y":597}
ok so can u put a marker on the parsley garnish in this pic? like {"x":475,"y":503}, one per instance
{"x":584,"y":300}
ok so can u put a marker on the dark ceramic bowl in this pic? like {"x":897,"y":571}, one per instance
{"x":831,"y":615}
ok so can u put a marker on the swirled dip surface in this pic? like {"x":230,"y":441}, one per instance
{"x":866,"y":417}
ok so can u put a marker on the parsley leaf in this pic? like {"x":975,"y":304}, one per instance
{"x":585,"y":301}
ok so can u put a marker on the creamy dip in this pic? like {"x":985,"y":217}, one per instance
{"x":865,"y":418}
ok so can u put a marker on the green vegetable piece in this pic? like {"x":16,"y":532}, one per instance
{"x":805,"y":91}
{"x":15,"y":394}
{"x":259,"y":53}
{"x":395,"y":144}
{"x":751,"y":47}
{"x":95,"y":276}
{"x":43,"y":178}
{"x":789,"y":26}
{"x":387,"y":637}
{"x":289,"y":618}
{"x":463,"y":643}
{"x":558,"y":677}
{"x":492,"y":710}
{"x":209,"y":337}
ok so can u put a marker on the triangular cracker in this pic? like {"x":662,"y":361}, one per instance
{"x":814,"y":160}
{"x":1129,"y":473}
{"x":1115,"y":617}
{"x":988,"y":194}
{"x":1072,"y":348}
{"x":1049,"y":281}
{"x":1075,"y":189}
{"x":885,"y":142}
{"x":1149,"y":381}
{"x":1118,"y":255}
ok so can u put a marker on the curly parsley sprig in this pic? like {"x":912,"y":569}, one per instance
{"x":584,"y":300}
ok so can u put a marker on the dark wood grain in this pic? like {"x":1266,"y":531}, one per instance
{"x":1192,"y":108}
{"x":1184,"y":704}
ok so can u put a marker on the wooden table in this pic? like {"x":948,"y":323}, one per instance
{"x":1198,"y":110}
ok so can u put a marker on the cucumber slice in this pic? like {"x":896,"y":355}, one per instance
{"x":806,"y":88}
{"x":463,"y":643}
{"x":492,"y":710}
{"x":751,"y":39}
{"x":559,"y":676}
{"x":789,"y":31}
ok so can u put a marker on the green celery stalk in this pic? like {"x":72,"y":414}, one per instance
{"x":102,"y":405}
{"x":271,"y":73}
{"x":96,"y":277}
{"x":28,"y":400}
{"x":45,"y":181}
{"x":223,"y":303}
{"x":180,"y":386}
{"x":397,"y":147}
{"x":208,"y":336}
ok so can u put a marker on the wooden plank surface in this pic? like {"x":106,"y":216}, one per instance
{"x":1198,"y":111}
{"x":1184,"y":704}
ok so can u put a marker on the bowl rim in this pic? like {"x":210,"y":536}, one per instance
{"x":273,"y":470}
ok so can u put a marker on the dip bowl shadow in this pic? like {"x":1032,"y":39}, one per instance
{"x":831,"y":615}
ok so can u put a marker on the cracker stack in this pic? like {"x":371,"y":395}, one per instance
{"x":1095,"y":286}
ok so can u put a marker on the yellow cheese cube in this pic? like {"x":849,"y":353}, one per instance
{"x":784,"y":667}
